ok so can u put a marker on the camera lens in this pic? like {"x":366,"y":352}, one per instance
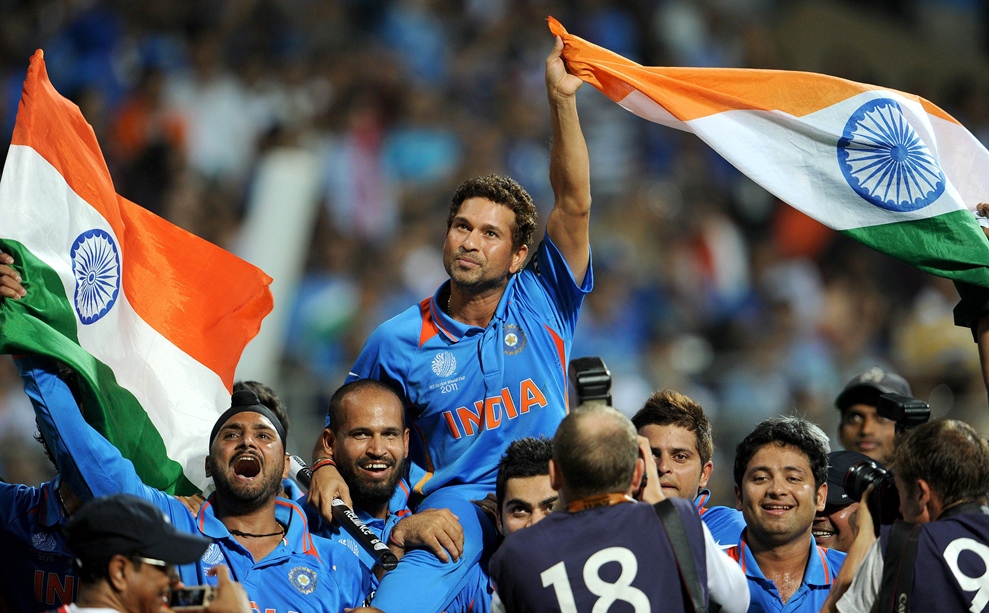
{"x":860,"y":476}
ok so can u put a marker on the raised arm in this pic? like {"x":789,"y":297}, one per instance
{"x":569,"y":170}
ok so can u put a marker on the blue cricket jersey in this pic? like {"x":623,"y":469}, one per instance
{"x":822,"y":567}
{"x":36,"y":566}
{"x":470,"y":391}
{"x":726,"y":524}
{"x":303,"y":573}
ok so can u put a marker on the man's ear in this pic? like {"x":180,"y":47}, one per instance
{"x":405,"y":441}
{"x":117,"y":569}
{"x":555,"y":476}
{"x":518,"y":259}
{"x":706,"y":474}
{"x":329,"y":440}
{"x":738,"y":498}
{"x":929,"y":503}
{"x":209,"y":473}
{"x":637,"y":474}
{"x":822,"y":496}
{"x":288,"y":467}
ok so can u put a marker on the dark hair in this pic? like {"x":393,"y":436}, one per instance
{"x":949,"y":455}
{"x":333,"y":411}
{"x":525,"y":457}
{"x":786,"y":431}
{"x":504,"y":191}
{"x":671,"y":408}
{"x":596,"y":460}
{"x":267,"y":397}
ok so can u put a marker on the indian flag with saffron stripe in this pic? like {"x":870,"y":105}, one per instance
{"x":152,"y":318}
{"x":887,"y":168}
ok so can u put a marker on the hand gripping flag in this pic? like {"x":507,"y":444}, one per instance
{"x":152,"y":318}
{"x":887,"y":168}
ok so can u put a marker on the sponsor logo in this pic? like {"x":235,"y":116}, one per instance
{"x":514,"y":340}
{"x":303,"y":579}
{"x":96,"y":268}
{"x":444,"y":364}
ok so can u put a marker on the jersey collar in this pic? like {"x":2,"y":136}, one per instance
{"x":454,"y":330}
{"x":297,"y":538}
{"x":817,"y":573}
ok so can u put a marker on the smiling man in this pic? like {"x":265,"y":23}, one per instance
{"x":831,"y":526}
{"x":682,"y":444}
{"x":780,"y":484}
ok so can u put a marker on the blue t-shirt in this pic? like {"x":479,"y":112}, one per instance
{"x":36,"y":566}
{"x":303,"y":573}
{"x":822,"y":567}
{"x":470,"y":391}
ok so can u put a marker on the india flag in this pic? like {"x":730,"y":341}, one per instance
{"x":152,"y":318}
{"x":887,"y":168}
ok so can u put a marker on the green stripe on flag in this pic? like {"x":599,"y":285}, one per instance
{"x":950,"y":245}
{"x":43,"y":323}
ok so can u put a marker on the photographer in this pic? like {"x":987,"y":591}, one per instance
{"x":942,"y":476}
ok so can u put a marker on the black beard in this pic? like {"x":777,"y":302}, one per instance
{"x":237,"y":500}
{"x":369,"y":494}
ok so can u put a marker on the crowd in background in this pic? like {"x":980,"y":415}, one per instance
{"x":704,"y":282}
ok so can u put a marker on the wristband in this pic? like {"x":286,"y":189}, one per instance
{"x":321,"y":463}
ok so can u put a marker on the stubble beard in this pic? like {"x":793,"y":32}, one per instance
{"x":367,"y":494}
{"x":243,"y":499}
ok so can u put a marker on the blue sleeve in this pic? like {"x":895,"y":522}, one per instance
{"x":548,"y":271}
{"x":87,"y":461}
{"x":726,"y":525}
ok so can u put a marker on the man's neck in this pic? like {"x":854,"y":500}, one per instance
{"x":99,"y":596}
{"x":259,"y":532}
{"x":784,"y":563}
{"x":474,"y":308}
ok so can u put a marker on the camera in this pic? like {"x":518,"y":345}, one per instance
{"x":591,"y":380}
{"x":190,"y":598}
{"x":884,"y":501}
{"x":906,"y":411}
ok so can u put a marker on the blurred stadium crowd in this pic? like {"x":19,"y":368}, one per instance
{"x":705,"y":283}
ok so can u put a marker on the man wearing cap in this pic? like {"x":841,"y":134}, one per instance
{"x":125,"y":552}
{"x":264,"y":540}
{"x":862,"y":429}
{"x":831,"y":529}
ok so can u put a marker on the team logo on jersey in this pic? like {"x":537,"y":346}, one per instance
{"x":43,"y":541}
{"x":304,"y":579}
{"x":212,"y":556}
{"x":514,"y":340}
{"x":444,"y":364}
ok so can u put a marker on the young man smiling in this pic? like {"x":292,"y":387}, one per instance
{"x":780,"y":484}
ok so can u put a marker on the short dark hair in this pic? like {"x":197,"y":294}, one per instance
{"x":525,"y":457}
{"x":506,"y":192}
{"x":336,"y":401}
{"x":949,"y":455}
{"x":786,"y":431}
{"x":268,"y":398}
{"x":671,"y":408}
{"x":600,"y":460}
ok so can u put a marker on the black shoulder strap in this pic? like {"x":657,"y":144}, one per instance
{"x":898,"y":567}
{"x":677,"y":534}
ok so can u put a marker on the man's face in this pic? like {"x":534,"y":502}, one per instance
{"x":681,"y":474}
{"x":831,"y":528}
{"x":527,"y":501}
{"x":247,"y":460}
{"x":863,"y":430}
{"x":147,"y":586}
{"x":778,"y":497}
{"x":478,"y":253}
{"x":370,"y":445}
